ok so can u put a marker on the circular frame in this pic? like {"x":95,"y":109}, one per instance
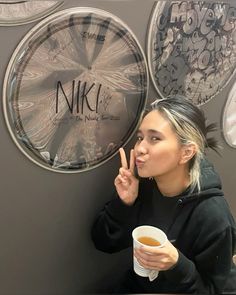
{"x":137,"y":85}
{"x":192,"y":48}
{"x":31,"y":6}
{"x":229,"y":118}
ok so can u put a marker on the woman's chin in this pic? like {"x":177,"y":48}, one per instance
{"x":143,"y":174}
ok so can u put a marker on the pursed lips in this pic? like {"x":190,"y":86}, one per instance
{"x":139,"y":162}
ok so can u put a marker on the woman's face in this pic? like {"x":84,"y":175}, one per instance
{"x":158,"y":151}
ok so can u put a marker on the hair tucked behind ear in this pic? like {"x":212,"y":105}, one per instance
{"x":189,"y":123}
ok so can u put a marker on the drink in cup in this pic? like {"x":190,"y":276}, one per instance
{"x":147,"y":236}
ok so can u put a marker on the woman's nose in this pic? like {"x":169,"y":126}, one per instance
{"x":141,"y":148}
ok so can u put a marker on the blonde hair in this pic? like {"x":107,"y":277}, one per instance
{"x":189,"y":124}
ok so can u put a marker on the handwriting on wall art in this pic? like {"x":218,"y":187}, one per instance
{"x":192,"y":48}
{"x":76,"y":87}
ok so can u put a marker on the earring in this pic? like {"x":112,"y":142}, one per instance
{"x":150,"y":178}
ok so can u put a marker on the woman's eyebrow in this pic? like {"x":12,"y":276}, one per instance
{"x":154,"y":131}
{"x":150,"y":131}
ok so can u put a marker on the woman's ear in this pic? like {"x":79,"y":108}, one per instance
{"x":188,"y":152}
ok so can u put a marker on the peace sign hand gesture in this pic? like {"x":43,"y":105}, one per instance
{"x":126,"y":183}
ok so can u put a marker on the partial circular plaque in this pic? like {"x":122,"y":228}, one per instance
{"x":75,"y":89}
{"x":21,"y":12}
{"x":229,"y":118}
{"x":192,"y":47}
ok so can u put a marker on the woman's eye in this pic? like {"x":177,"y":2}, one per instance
{"x":154,"y":138}
{"x":139,"y":138}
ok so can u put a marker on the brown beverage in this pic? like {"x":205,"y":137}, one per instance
{"x":149,"y":241}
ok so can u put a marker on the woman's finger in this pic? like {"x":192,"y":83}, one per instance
{"x":150,"y":264}
{"x":132,"y":161}
{"x":151,"y":261}
{"x":123,"y":159}
{"x":147,"y":256}
{"x":124,"y":172}
{"x":119,"y":179}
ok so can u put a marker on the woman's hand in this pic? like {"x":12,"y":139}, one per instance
{"x":162,"y":258}
{"x":126,"y":183}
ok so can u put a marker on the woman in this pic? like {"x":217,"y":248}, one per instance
{"x":178,"y":191}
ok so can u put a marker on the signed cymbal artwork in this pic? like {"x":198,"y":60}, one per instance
{"x":75,"y":89}
{"x":192,"y":48}
{"x":17,"y":12}
{"x":229,"y":118}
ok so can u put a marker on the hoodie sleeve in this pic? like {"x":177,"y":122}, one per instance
{"x":112,"y":229}
{"x":211,"y":267}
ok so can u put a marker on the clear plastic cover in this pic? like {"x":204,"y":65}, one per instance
{"x":229,"y":118}
{"x":192,"y":47}
{"x":21,"y":12}
{"x":75,"y":89}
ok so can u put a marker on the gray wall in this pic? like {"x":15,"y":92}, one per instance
{"x":45,"y":217}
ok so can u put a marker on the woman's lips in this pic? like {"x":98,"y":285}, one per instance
{"x":139,"y":163}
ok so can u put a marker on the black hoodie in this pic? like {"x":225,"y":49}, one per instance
{"x":200,"y":226}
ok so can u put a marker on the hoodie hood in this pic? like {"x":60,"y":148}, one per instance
{"x":210,"y":184}
{"x":188,"y":202}
{"x":209,"y":177}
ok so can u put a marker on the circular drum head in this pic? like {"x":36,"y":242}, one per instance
{"x":75,"y":89}
{"x":13,"y":12}
{"x":229,"y":118}
{"x":192,"y":47}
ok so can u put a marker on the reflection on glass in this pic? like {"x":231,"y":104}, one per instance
{"x":74,"y":89}
{"x":192,"y":47}
{"x":21,"y":12}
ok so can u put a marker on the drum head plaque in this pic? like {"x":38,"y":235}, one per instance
{"x":229,"y":118}
{"x":75,"y":89}
{"x":192,"y":47}
{"x":13,"y":12}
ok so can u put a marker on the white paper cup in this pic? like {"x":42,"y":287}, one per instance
{"x":146,"y":231}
